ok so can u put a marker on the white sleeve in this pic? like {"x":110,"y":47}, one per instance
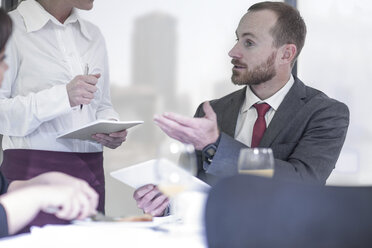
{"x":105,"y":109}
{"x":21,"y":115}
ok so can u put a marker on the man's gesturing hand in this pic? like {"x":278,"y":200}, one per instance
{"x":199,"y":132}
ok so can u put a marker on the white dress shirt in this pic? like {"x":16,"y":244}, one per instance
{"x":43,"y":57}
{"x":248,"y":114}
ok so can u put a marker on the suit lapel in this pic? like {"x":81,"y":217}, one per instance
{"x":227,"y":122}
{"x":291,"y":105}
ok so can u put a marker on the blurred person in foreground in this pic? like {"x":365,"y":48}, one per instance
{"x":20,"y":201}
{"x":43,"y":92}
{"x":304,"y":127}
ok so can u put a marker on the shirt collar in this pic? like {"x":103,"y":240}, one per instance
{"x":36,"y":17}
{"x":83,"y":27}
{"x":274,"y":101}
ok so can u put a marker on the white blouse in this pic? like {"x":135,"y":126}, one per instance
{"x":43,"y":57}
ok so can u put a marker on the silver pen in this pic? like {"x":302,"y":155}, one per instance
{"x":86,"y":72}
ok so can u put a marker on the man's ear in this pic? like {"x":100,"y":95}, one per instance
{"x":287,"y":53}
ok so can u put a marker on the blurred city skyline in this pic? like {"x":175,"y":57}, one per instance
{"x":204,"y":35}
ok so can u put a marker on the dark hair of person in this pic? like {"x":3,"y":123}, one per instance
{"x":5,"y":28}
{"x":290,"y":28}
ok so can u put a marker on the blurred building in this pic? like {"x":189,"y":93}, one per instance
{"x":153,"y":90}
{"x":154,"y":56}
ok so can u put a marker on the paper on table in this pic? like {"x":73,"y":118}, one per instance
{"x":99,"y":126}
{"x":113,"y":235}
{"x":144,"y":173}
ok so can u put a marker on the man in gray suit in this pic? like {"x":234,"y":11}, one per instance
{"x":305,"y":128}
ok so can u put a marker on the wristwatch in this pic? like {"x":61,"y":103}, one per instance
{"x":208,"y":152}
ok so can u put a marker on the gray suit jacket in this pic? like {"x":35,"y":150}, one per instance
{"x":306,"y":135}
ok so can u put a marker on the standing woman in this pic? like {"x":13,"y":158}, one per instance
{"x":42,"y":92}
{"x":71,"y":198}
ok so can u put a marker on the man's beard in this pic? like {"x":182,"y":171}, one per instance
{"x":260,"y":74}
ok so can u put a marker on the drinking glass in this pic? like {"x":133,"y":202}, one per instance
{"x":175,"y":166}
{"x":256,"y":161}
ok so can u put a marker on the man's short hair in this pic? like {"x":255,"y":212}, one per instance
{"x":5,"y":28}
{"x":290,"y":28}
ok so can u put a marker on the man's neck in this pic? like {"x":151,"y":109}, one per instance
{"x":269,"y":88}
{"x":57,"y":8}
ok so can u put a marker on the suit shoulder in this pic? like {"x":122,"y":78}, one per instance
{"x":322,"y":100}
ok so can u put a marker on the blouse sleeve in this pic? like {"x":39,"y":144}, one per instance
{"x":22,"y":114}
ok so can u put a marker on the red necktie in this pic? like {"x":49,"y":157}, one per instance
{"x":260,"y":124}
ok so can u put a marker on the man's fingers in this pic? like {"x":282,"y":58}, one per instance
{"x":140,"y":192}
{"x":147,"y":198}
{"x":157,"y":206}
{"x":209,"y":112}
{"x":173,"y":133}
{"x":155,"y":203}
{"x":160,"y":210}
{"x":170,"y":124}
{"x":173,"y":128}
{"x":180,"y":119}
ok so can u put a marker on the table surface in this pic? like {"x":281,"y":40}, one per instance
{"x":162,"y":232}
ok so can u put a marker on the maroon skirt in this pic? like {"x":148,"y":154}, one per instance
{"x":23,"y":164}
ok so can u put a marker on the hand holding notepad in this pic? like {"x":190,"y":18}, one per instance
{"x":96,"y":127}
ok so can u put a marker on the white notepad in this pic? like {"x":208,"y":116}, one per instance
{"x":144,"y":173}
{"x":99,"y":126}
